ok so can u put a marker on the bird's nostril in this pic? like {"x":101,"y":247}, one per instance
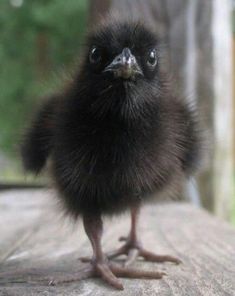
{"x":127,"y":52}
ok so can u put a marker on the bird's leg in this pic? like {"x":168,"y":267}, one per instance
{"x":99,"y":264}
{"x":93,"y":226}
{"x":133,"y":247}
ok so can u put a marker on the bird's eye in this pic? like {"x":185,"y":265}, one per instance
{"x":95,"y":55}
{"x":152,"y":58}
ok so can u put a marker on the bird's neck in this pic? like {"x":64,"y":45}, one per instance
{"x":127,"y":102}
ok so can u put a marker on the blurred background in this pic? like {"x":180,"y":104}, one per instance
{"x":40,"y":41}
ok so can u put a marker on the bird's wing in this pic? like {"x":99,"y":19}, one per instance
{"x":38,"y":139}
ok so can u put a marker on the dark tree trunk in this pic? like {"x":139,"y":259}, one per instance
{"x":98,"y":10}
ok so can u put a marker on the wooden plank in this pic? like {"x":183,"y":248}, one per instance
{"x":16,"y":212}
{"x":47,"y":245}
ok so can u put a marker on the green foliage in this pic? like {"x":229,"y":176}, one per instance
{"x":38,"y":40}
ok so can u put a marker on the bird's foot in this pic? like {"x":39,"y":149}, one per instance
{"x":133,"y":249}
{"x":109,"y":273}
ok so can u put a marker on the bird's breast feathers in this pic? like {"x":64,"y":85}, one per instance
{"x":117,"y":154}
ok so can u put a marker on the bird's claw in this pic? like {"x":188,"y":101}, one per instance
{"x":134,"y":249}
{"x":123,"y":238}
{"x":109,"y":273}
{"x":98,"y":269}
{"x":85,"y":259}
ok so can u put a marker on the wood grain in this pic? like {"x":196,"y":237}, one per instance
{"x":37,"y":244}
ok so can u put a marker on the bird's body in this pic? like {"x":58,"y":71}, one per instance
{"x":118,"y":135}
{"x":111,"y":162}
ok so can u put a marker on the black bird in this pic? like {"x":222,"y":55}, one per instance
{"x":116,"y":137}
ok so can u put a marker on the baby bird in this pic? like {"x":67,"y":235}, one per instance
{"x":116,"y":138}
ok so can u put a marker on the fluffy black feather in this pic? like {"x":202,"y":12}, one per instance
{"x":114,"y":142}
{"x":37,"y":141}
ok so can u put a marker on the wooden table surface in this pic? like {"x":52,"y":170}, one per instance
{"x":37,"y":243}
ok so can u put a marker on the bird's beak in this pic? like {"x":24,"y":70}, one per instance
{"x":124,"y":65}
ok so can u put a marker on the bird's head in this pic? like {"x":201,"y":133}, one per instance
{"x":123,"y":52}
